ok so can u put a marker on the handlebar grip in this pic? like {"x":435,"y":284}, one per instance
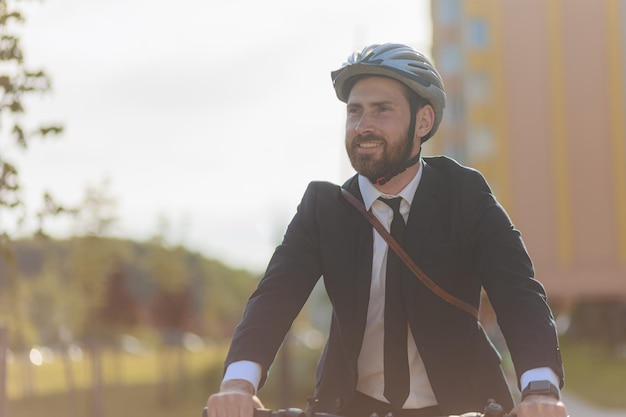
{"x":262,"y":412}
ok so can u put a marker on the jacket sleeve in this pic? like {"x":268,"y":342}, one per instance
{"x":503,"y":265}
{"x":287,"y":283}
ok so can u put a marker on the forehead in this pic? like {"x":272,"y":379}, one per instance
{"x":377,"y":88}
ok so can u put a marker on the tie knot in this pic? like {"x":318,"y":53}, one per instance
{"x":394,"y":203}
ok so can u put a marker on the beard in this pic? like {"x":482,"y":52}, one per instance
{"x":375,"y":166}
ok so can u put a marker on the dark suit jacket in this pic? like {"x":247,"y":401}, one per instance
{"x":462,"y":239}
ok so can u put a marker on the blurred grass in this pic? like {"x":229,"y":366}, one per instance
{"x":595,"y":374}
{"x":135,"y":385}
{"x":119,"y":401}
{"x":147,"y":384}
{"x":118,"y":368}
{"x":132,"y":386}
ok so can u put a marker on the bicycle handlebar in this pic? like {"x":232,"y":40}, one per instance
{"x":491,"y":410}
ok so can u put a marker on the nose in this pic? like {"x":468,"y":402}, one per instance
{"x":364,"y":124}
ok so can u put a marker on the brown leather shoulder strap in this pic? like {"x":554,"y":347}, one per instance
{"x":416,"y":270}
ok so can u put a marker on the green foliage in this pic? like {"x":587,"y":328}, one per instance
{"x":224,"y":298}
{"x":90,"y":286}
{"x":167,"y":267}
{"x":44,"y":302}
{"x":119,"y":309}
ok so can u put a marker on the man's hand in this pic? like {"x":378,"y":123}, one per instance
{"x":235,"y":399}
{"x":540,"y":406}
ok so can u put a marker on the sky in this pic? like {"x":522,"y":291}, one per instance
{"x":207,"y":119}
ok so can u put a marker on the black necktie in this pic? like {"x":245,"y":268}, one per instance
{"x":395,"y":343}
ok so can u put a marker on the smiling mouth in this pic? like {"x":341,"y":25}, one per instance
{"x":369,"y":145}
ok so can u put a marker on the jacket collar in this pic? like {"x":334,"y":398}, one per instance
{"x":371,"y":194}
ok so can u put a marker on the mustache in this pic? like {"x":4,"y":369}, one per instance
{"x":368,"y":138}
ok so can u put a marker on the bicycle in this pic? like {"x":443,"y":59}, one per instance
{"x":492,"y":409}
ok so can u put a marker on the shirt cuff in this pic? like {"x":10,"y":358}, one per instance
{"x":246,"y":370}
{"x":539,"y":374}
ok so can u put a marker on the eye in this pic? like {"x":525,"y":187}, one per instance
{"x":353,"y":111}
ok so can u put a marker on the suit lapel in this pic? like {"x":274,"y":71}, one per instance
{"x":423,"y":209}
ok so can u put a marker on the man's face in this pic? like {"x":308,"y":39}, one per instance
{"x":377,"y":124}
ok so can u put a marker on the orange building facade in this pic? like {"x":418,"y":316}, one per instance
{"x":537,"y":102}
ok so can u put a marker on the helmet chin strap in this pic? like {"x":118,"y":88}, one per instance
{"x":401,"y":167}
{"x":398,"y":169}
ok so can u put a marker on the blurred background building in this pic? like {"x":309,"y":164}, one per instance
{"x":536,"y":102}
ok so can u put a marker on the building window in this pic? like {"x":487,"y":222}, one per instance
{"x":477,"y":33}
{"x":454,"y":109}
{"x":449,"y":59}
{"x":448,"y":11}
{"x":478,"y":88}
{"x":480,"y":144}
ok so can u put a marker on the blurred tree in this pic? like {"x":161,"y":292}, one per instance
{"x":17,"y":83}
{"x":96,"y":214}
{"x":92,"y":260}
{"x":171,"y":312}
{"x":51,"y":306}
{"x":224,"y":292}
{"x":119,"y":311}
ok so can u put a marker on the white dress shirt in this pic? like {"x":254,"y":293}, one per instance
{"x":370,"y":363}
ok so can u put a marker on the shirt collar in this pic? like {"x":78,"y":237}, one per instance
{"x":371,"y":194}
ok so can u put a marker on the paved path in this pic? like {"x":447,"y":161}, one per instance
{"x":578,"y":408}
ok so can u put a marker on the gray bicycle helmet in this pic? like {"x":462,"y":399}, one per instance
{"x":401,"y":63}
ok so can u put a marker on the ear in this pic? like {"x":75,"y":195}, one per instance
{"x":424,"y":121}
